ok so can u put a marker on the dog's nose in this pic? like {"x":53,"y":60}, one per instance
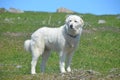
{"x":71,"y":26}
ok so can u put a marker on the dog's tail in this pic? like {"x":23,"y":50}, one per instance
{"x":27,"y":45}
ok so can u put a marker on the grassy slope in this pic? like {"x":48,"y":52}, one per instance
{"x":99,"y":47}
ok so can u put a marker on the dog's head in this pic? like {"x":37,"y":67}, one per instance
{"x":74,"y":24}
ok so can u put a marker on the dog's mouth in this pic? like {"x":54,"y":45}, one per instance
{"x":72,"y":27}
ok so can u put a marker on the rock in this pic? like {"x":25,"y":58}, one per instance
{"x":101,"y":21}
{"x":18,"y":18}
{"x":80,"y":75}
{"x":2,"y":10}
{"x":113,"y":73}
{"x":8,"y":20}
{"x":19,"y":66}
{"x":64,"y":10}
{"x":92,"y":72}
{"x":118,"y":17}
{"x":13,"y":10}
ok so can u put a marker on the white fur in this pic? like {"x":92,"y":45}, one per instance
{"x":63,"y":40}
{"x":27,"y":45}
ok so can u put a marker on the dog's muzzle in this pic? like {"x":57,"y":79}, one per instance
{"x":71,"y":26}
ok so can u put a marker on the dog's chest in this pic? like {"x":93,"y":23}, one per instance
{"x":72,"y":43}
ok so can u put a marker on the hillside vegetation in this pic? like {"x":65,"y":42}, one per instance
{"x":97,"y":56}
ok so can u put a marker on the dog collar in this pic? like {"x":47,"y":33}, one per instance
{"x":73,"y":36}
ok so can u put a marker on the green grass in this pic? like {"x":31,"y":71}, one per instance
{"x":100,"y":50}
{"x":99,"y":47}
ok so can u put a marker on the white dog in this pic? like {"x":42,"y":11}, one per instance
{"x":63,"y":40}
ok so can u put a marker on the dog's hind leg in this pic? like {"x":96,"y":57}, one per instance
{"x":45,"y":57}
{"x":37,"y":48}
{"x":35,"y":56}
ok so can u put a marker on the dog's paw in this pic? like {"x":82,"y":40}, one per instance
{"x":33,"y":73}
{"x":63,"y":71}
{"x":68,"y":69}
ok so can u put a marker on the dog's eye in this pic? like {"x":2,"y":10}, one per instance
{"x":76,"y":21}
{"x":70,"y":21}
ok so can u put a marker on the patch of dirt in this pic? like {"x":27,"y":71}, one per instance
{"x":107,"y":28}
{"x":114,"y":74}
{"x":15,"y":34}
{"x":81,"y":75}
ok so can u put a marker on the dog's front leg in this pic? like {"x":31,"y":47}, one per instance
{"x":68,"y":62}
{"x":62,"y":62}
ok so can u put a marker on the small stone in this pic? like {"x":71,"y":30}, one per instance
{"x":101,"y":21}
{"x":19,"y":66}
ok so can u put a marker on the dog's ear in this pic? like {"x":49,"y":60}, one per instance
{"x":82,"y":22}
{"x":66,"y":20}
{"x":67,"y":17}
